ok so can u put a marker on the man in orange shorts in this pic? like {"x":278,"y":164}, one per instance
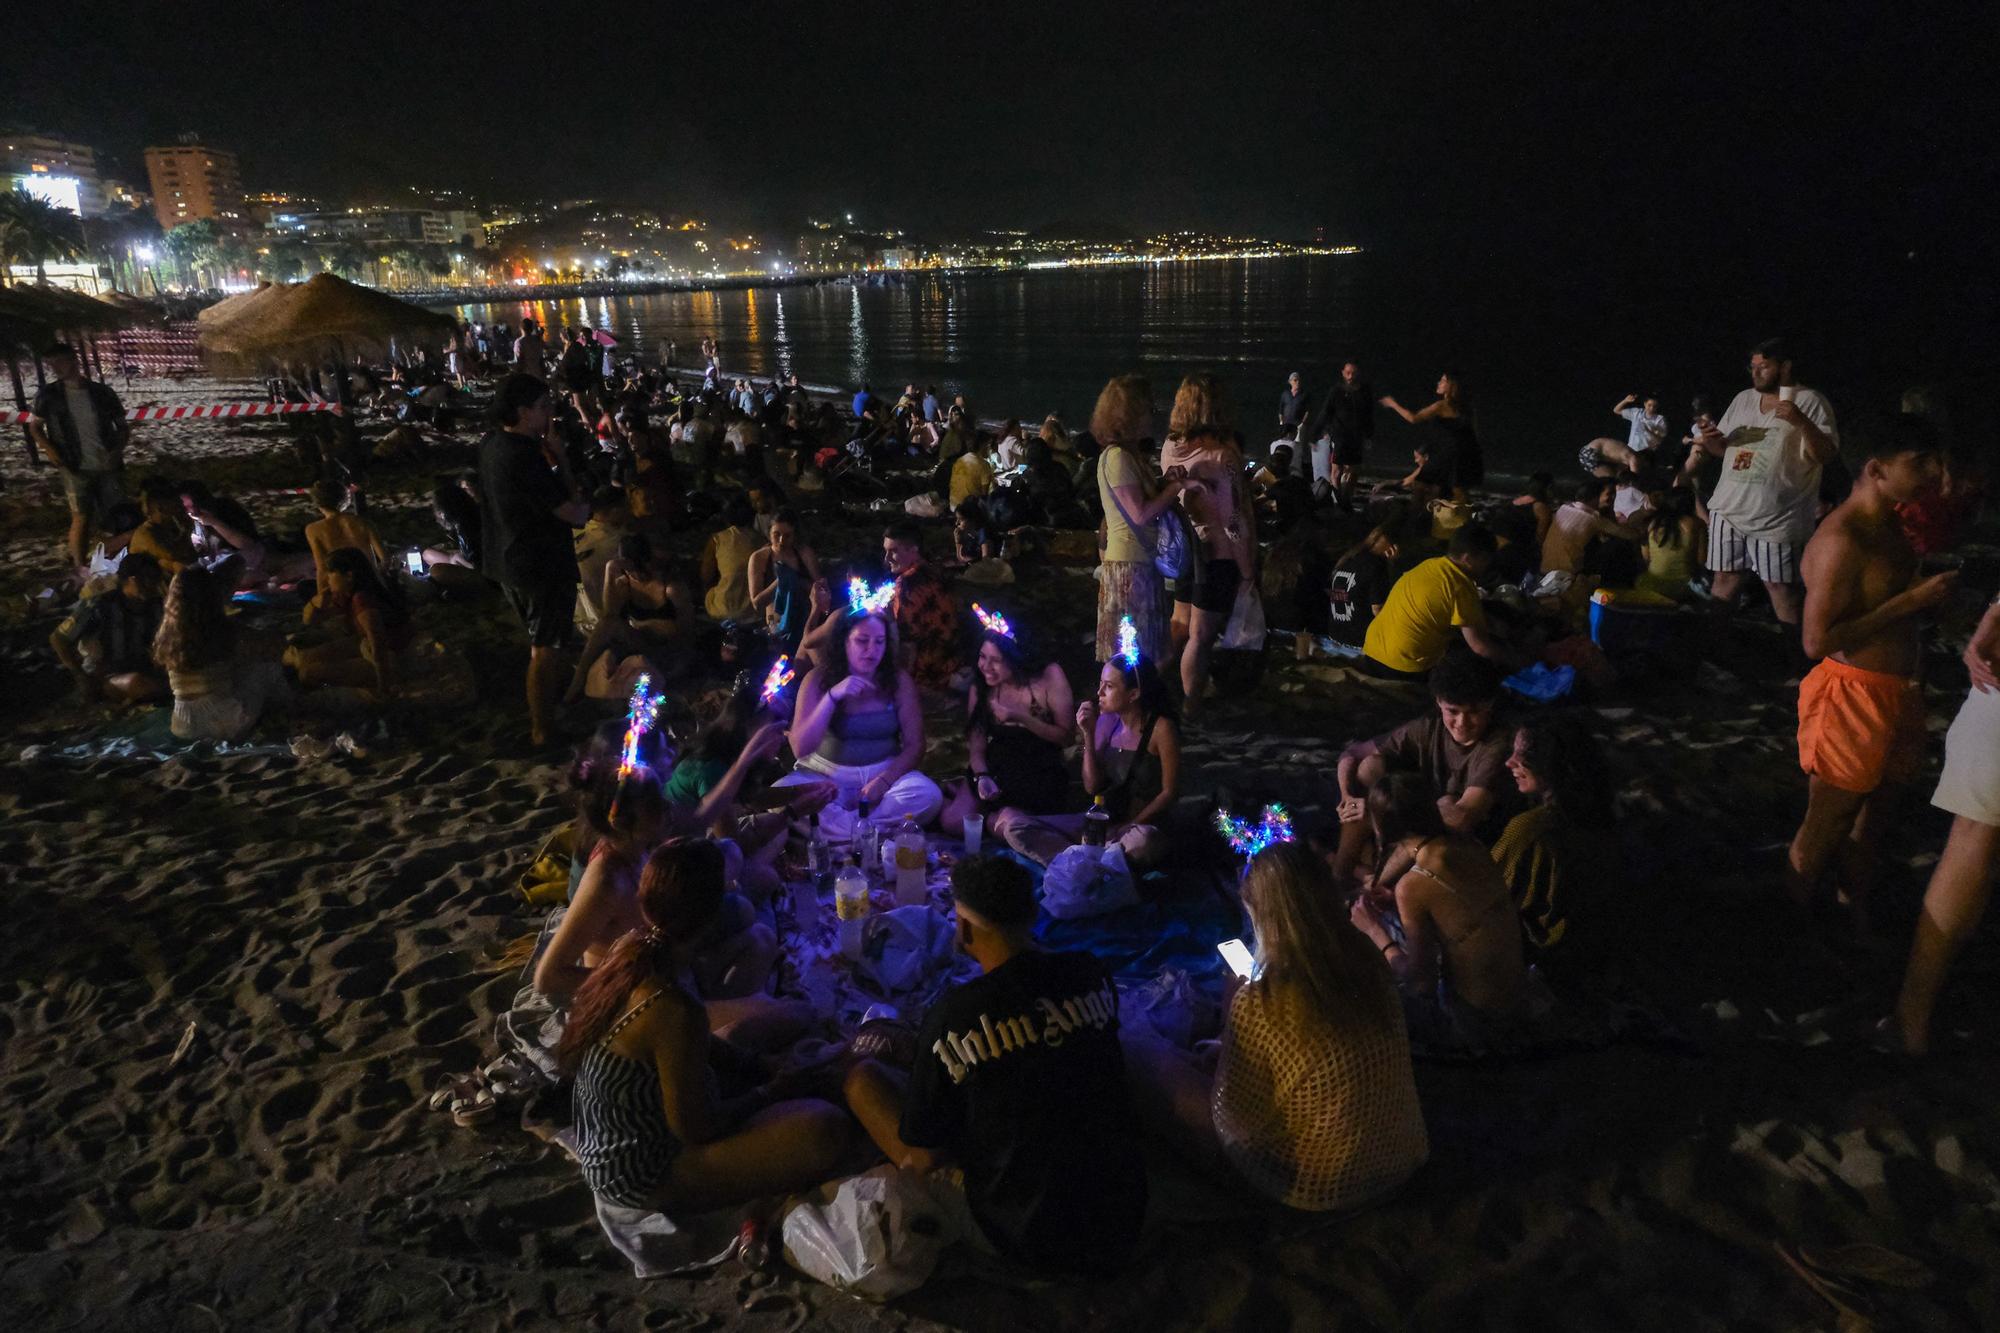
{"x":1861,"y":712}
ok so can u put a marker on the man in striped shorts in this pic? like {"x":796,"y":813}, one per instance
{"x":1773,"y":442}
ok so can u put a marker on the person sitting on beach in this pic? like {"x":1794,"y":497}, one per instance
{"x":1019,"y":716}
{"x":1130,"y":743}
{"x":782,"y":573}
{"x":725,"y":565}
{"x":972,"y":477}
{"x":926,"y":613}
{"x":337,"y":530}
{"x":1560,"y":850}
{"x":971,"y":542}
{"x":105,"y":643}
{"x":622,"y":814}
{"x":1431,"y":606}
{"x":719,"y":785}
{"x":1579,"y":521}
{"x":219,"y":693}
{"x":370,"y":654}
{"x":165,"y":533}
{"x":1676,"y":546}
{"x":1311,"y":1097}
{"x":644,"y":628}
{"x":860,"y":722}
{"x":596,"y":544}
{"x":1020,"y":1081}
{"x":1361,"y":580}
{"x":457,"y":515}
{"x":1540,"y":498}
{"x":1456,"y":946}
{"x":224,"y":535}
{"x":670,"y":1116}
{"x":1455,"y":748}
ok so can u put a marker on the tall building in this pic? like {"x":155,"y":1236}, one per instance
{"x":58,"y":170}
{"x":193,"y":181}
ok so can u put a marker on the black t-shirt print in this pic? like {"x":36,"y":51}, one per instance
{"x":1019,"y":1076}
{"x":1360,"y":583}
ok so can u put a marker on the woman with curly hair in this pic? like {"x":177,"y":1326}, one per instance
{"x":218,"y":694}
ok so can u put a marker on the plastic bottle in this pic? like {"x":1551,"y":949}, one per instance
{"x":867,"y":840}
{"x":1096,"y":823}
{"x":819,"y":858}
{"x":910,"y":856}
{"x":850,"y":901}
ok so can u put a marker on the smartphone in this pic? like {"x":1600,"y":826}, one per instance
{"x":1237,"y":954}
{"x":414,"y":562}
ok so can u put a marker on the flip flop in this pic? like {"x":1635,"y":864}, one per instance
{"x":476,"y":1109}
{"x":451,"y":1088}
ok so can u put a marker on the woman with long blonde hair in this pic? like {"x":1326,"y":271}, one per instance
{"x":1312,"y":1098}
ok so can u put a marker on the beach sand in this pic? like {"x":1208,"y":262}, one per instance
{"x":328,"y":931}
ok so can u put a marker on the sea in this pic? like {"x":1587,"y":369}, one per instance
{"x":1542,"y":368}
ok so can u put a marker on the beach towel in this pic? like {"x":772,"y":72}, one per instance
{"x":144,"y":734}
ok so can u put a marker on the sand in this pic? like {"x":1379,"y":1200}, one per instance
{"x":327,"y":930}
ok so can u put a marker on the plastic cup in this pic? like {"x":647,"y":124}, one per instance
{"x":975,"y":830}
{"x":1787,"y":392}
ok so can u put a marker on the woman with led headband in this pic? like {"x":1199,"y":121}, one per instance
{"x":1131,"y":748}
{"x":1019,"y":716}
{"x":1310,"y":1096}
{"x":860,"y":722}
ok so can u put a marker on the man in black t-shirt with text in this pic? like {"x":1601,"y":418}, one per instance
{"x":527,"y":506}
{"x":1020,"y":1081}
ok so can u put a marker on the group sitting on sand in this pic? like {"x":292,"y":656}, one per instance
{"x":1464,"y":872}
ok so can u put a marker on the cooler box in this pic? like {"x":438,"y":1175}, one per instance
{"x":1627,"y":623}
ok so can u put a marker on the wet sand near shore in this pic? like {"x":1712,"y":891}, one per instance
{"x":329,"y":931}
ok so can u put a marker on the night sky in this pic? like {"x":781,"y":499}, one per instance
{"x":1817,"y":166}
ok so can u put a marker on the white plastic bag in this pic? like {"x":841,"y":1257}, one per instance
{"x":876,"y":1235}
{"x":928,"y":504}
{"x":1245,"y":631}
{"x":1088,"y":881}
{"x":899,"y":948}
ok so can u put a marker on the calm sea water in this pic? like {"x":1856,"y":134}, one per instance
{"x":1543,"y":368}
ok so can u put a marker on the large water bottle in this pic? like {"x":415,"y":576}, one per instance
{"x":910,"y":855}
{"x":850,"y":902}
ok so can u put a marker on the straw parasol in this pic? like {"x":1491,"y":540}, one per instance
{"x":212,"y":322}
{"x":301,"y":320}
{"x":33,"y":315}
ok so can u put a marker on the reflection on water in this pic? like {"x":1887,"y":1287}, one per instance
{"x":1015,"y":343}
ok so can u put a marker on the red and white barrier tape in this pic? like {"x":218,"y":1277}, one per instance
{"x":195,"y":411}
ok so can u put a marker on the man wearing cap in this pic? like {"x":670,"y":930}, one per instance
{"x":79,"y":425}
{"x":1019,"y":1081}
{"x":1292,"y":407}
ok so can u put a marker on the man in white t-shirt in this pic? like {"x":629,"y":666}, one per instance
{"x":1773,"y":442}
{"x":1603,"y":457}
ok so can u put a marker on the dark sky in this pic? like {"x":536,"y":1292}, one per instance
{"x":1803,"y":164}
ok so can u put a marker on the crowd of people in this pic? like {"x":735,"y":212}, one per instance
{"x":1461,"y":875}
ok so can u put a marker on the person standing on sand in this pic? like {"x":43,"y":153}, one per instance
{"x":527,"y":505}
{"x":1453,"y":447}
{"x":1861,"y":710}
{"x":1348,"y":417}
{"x":1774,"y":441}
{"x":79,"y":425}
{"x":1604,"y":457}
{"x":529,"y":353}
{"x":1962,"y":883}
{"x":1292,"y":407}
{"x":1128,"y":583}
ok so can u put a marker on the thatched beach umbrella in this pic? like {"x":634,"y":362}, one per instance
{"x":324,"y":314}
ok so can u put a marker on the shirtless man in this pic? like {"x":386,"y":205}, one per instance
{"x":335,"y":528}
{"x":1861,"y":710}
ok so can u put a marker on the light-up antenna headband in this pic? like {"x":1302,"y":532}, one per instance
{"x":861,"y":599}
{"x":1247,"y":839}
{"x":992,"y":622}
{"x":777,"y":678}
{"x":1128,"y":643}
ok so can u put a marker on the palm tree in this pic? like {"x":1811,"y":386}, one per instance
{"x":193,"y":245}
{"x":34,"y":231}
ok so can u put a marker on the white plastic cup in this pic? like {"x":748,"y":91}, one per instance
{"x":1787,"y":392}
{"x":975,"y":830}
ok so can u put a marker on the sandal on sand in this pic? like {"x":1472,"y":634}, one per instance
{"x":451,"y":1088}
{"x":1857,"y":1312}
{"x":475,"y":1109}
{"x":507,"y":1075}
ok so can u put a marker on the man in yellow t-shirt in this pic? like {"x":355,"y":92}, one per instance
{"x":971,"y":476}
{"x":1431,"y":601}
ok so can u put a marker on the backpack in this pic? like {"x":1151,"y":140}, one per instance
{"x":1170,"y":535}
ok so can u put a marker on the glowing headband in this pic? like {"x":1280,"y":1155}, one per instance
{"x":1128,"y":643}
{"x":861,"y":599}
{"x":1246,"y":839}
{"x":640,"y":716}
{"x":992,"y":623}
{"x":775,"y":680}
